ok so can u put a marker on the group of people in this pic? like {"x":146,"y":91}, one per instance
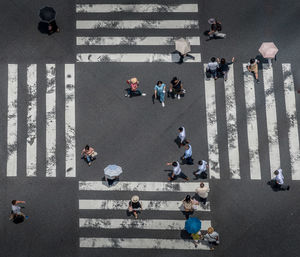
{"x":175,"y":90}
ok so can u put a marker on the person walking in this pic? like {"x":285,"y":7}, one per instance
{"x":52,"y":28}
{"x":252,"y":67}
{"x":16,"y":215}
{"x":196,"y":238}
{"x":176,"y":88}
{"x":224,"y":67}
{"x":88,"y":153}
{"x":133,"y":90}
{"x":181,"y":138}
{"x":202,"y":168}
{"x":211,"y":237}
{"x":279,"y":181}
{"x":188,"y":205}
{"x":212,"y":67}
{"x":135,"y":206}
{"x":187,"y":157}
{"x":202,"y":193}
{"x":160,"y":91}
{"x":177,"y":172}
{"x":215,"y":28}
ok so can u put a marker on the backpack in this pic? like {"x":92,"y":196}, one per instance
{"x":219,"y":26}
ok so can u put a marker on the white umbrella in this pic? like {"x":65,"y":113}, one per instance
{"x":112,"y":171}
{"x":182,"y":45}
{"x":268,"y":50}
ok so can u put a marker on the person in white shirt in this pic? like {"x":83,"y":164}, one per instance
{"x":279,"y":183}
{"x":212,"y":67}
{"x":181,"y":138}
{"x":212,"y":238}
{"x":176,"y":171}
{"x":202,"y":193}
{"x":201,"y":172}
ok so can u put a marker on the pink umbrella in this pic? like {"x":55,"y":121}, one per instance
{"x":268,"y":50}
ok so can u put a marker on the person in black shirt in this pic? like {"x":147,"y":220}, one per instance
{"x":215,"y":28}
{"x":52,"y":27}
{"x":135,"y":206}
{"x":176,"y":88}
{"x":224,"y":67}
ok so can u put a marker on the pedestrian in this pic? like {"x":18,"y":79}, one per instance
{"x":196,"y":238}
{"x":279,"y":181}
{"x":202,"y":193}
{"x":202,"y":168}
{"x":188,"y":205}
{"x":111,"y":180}
{"x":52,"y":28}
{"x":133,"y":90}
{"x":212,"y":67}
{"x":177,"y":172}
{"x":160,"y":91}
{"x":187,"y":157}
{"x":16,"y":215}
{"x":135,"y":206}
{"x":253,"y":68}
{"x":181,"y":138}
{"x":88,"y":153}
{"x":224,"y":67}
{"x":182,"y":56}
{"x":176,"y":88}
{"x":212,"y":237}
{"x":215,"y":28}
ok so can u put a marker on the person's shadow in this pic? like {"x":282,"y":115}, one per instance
{"x":43,"y":27}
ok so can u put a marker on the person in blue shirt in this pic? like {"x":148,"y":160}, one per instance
{"x":160,"y":91}
{"x":187,"y":157}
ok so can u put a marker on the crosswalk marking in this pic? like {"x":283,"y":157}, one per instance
{"x":255,"y":172}
{"x":51,"y":121}
{"x":134,"y":57}
{"x":233,"y":142}
{"x":12,"y":120}
{"x":133,"y":41}
{"x":138,"y":8}
{"x":142,"y":243}
{"x":159,"y":224}
{"x":31,"y":150}
{"x":147,"y":205}
{"x":70,"y":120}
{"x":137,"y":24}
{"x":140,"y":186}
{"x":291,"y":113}
{"x":271,"y":116}
{"x":212,"y":130}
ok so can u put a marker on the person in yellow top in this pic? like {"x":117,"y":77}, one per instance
{"x":196,"y":238}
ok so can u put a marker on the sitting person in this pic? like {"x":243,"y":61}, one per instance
{"x":135,"y":206}
{"x":176,"y":88}
{"x":88,"y":153}
{"x":133,"y":90}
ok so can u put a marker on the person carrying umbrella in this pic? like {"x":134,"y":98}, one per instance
{"x":112,"y":173}
{"x":48,"y":15}
{"x":193,"y":226}
{"x":183,"y":47}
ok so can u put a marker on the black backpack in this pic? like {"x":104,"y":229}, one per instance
{"x":219,"y":26}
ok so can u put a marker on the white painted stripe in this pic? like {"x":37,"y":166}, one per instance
{"x":271,"y":118}
{"x":31,"y":150}
{"x":146,"y":204}
{"x":140,"y":186}
{"x":138,"y":224}
{"x":70,"y":120}
{"x":51,"y":121}
{"x":291,"y":113}
{"x":137,"y":24}
{"x":133,"y":41}
{"x":142,"y":8}
{"x":12,"y":120}
{"x":255,"y":172}
{"x":212,"y":130}
{"x":233,"y":141}
{"x":140,"y":243}
{"x":134,"y":57}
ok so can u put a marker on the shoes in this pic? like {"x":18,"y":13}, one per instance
{"x":288,"y":188}
{"x":90,"y":163}
{"x":143,"y":94}
{"x":186,"y":179}
{"x":178,"y":97}
{"x":257,"y":81}
{"x":163,"y":104}
{"x":126,"y":95}
{"x":26,"y":217}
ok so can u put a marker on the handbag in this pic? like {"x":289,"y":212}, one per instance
{"x":94,"y":154}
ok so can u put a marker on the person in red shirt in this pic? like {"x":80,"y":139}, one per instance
{"x":133,"y":90}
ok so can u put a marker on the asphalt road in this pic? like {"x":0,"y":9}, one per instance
{"x":252,"y":219}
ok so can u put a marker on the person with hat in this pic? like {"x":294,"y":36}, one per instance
{"x":212,"y":237}
{"x":133,"y":90}
{"x":135,"y":206}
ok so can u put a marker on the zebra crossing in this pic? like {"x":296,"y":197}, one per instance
{"x":252,"y":123}
{"x":89,"y":224}
{"x":88,"y":28}
{"x":32,"y":144}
